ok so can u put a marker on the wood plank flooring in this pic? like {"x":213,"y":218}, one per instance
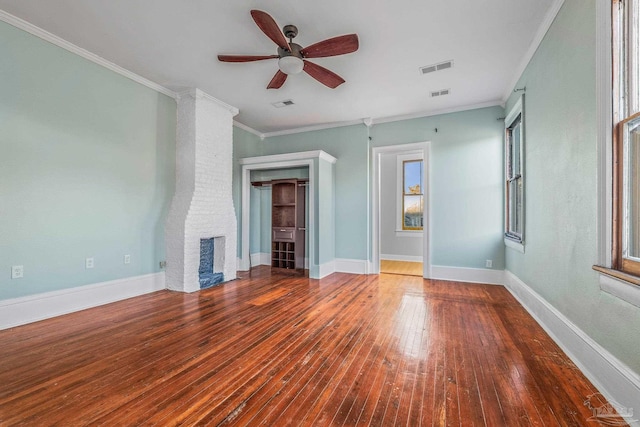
{"x":286,"y":350}
{"x":407,"y":268}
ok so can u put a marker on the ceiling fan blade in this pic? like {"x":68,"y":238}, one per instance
{"x":331,"y":47}
{"x":321,"y":74}
{"x":244,"y":58}
{"x":277,"y":81}
{"x":265,"y":22}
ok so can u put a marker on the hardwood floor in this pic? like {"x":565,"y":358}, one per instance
{"x":286,"y":350}
{"x":407,"y":268}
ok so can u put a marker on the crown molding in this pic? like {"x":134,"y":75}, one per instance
{"x":372,"y":121}
{"x":533,"y":47}
{"x":312,"y":128}
{"x":494,"y":103}
{"x":196,"y":93}
{"x":248,"y":129}
{"x":53,"y":39}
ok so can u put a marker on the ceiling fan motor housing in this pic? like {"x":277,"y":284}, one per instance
{"x":295,"y":51}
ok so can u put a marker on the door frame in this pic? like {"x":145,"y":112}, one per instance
{"x":377,"y":152}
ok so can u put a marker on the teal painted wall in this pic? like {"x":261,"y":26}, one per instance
{"x":86,"y":169}
{"x":465,"y":174}
{"x":560,"y":184}
{"x":349,"y":146}
{"x":245,"y":144}
{"x":326,"y":212}
{"x":466,"y":181}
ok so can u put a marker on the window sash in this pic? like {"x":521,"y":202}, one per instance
{"x":514,"y":224}
{"x":629,"y":198}
{"x":410,"y":220}
{"x":626,"y":137}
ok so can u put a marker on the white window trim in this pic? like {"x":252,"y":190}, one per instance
{"x":620,"y":289}
{"x":400,"y":158}
{"x":516,"y":110}
{"x":512,"y":244}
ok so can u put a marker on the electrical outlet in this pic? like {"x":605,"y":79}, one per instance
{"x":17,"y":271}
{"x":88,"y":263}
{"x":127,"y":259}
{"x":489,"y":263}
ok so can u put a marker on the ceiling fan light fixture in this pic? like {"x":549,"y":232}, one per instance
{"x":290,"y":64}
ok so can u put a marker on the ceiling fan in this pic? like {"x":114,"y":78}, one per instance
{"x":292,"y":58}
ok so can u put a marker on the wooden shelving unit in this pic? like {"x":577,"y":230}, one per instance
{"x":287,"y":222}
{"x":283,"y":255}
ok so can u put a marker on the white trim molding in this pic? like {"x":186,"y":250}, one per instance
{"x":469,"y":275}
{"x":60,"y":42}
{"x":353,"y":266}
{"x":533,"y":47}
{"x":260,"y":258}
{"x":604,"y":122}
{"x":512,"y":244}
{"x":311,"y":128}
{"x":620,"y":289}
{"x":248,"y":129}
{"x":617,"y":382}
{"x":196,"y":93}
{"x":326,"y":269}
{"x":409,"y":233}
{"x":468,"y":107}
{"x":386,"y":119}
{"x":409,"y":258}
{"x":32,"y":308}
{"x":289,"y":157}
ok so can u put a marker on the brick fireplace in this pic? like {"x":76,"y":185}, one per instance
{"x":202,"y":206}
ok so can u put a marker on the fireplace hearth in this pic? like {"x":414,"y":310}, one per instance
{"x":210,"y":272}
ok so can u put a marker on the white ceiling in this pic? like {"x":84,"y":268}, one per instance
{"x":174,"y":43}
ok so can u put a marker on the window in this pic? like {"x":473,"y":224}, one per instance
{"x":412,"y":194}
{"x":514,"y":176}
{"x":626,"y":136}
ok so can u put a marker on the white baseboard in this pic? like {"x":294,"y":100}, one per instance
{"x":32,"y":308}
{"x":471,"y":275}
{"x":409,"y":258}
{"x":353,"y":266}
{"x":260,"y":258}
{"x":326,"y":269}
{"x":617,"y":382}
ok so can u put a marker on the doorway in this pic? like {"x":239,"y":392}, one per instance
{"x":400,"y":243}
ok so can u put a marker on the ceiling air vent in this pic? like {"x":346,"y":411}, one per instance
{"x":440,"y":92}
{"x":284,"y":103}
{"x":436,"y":67}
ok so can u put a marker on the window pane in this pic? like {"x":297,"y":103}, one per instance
{"x":633,"y":56}
{"x":516,"y":148}
{"x":413,"y":177}
{"x":632,"y":190}
{"x":516,"y":205}
{"x":412,"y":212}
{"x":519,"y":207}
